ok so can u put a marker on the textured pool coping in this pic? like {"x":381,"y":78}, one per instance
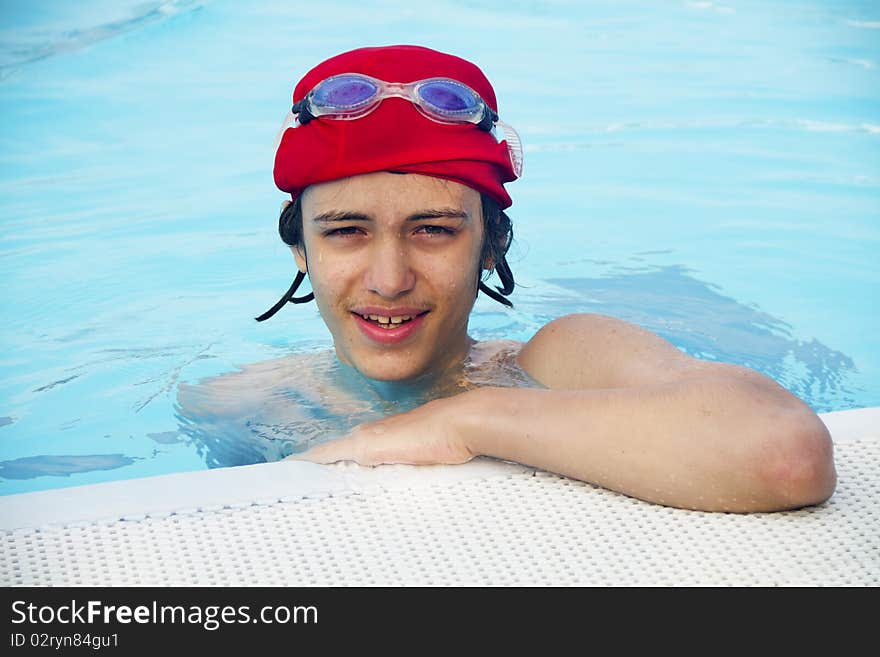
{"x":233,"y":487}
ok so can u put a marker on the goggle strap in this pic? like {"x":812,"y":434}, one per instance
{"x":490,"y":117}
{"x":514,"y":147}
{"x":288,"y":297}
{"x":504,"y":272}
{"x":285,"y":124}
{"x":301,"y":109}
{"x":495,"y":295}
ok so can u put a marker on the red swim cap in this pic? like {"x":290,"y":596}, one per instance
{"x":396,"y":136}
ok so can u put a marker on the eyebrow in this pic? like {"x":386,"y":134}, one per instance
{"x":332,"y":216}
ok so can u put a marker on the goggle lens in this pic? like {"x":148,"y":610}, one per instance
{"x":344,"y":92}
{"x":449,"y":98}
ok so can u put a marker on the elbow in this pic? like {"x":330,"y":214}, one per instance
{"x":798,"y":470}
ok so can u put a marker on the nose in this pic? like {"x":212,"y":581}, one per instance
{"x":389,"y":273}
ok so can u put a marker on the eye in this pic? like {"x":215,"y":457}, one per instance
{"x":344,"y":231}
{"x":435,"y":230}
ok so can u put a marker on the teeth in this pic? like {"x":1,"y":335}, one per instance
{"x":387,"y":321}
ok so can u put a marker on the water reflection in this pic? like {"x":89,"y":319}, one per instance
{"x":29,"y":467}
{"x":165,"y":437}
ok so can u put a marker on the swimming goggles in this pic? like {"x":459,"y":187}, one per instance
{"x":354,"y":95}
{"x":351,"y":96}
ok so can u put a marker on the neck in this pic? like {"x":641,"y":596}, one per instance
{"x":428,"y":385}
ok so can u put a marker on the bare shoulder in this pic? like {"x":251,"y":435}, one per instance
{"x":597,"y":351}
{"x":242,"y":392}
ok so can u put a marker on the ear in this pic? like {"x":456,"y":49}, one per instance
{"x":489,"y":263}
{"x":299,"y":254}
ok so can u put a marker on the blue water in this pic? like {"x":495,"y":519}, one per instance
{"x":708,"y":170}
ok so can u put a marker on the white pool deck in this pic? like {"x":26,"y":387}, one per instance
{"x":484,"y":523}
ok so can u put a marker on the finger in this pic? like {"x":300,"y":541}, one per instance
{"x":341,"y":449}
{"x":321,"y":456}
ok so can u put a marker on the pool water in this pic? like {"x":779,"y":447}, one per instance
{"x":709,"y":170}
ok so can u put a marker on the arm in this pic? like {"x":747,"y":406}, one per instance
{"x":630,"y":412}
{"x":695,"y":446}
{"x":626,"y":410}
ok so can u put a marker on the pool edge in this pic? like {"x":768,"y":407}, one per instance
{"x":265,"y":483}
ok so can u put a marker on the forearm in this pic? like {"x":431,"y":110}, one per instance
{"x":703,"y":444}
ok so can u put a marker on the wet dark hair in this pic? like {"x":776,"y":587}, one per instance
{"x":497,"y":237}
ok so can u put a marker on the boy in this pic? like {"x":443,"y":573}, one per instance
{"x":397,"y":185}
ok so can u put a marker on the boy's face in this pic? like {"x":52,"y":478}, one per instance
{"x":403,"y":249}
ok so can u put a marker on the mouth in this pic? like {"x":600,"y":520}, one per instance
{"x":389,"y":322}
{"x":391,"y":328}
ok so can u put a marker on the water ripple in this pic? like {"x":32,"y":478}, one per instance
{"x":867,"y":25}
{"x":24,"y":46}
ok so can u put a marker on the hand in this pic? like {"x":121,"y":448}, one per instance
{"x":425,"y":435}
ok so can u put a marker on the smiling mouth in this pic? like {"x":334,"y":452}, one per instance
{"x":389,"y":322}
